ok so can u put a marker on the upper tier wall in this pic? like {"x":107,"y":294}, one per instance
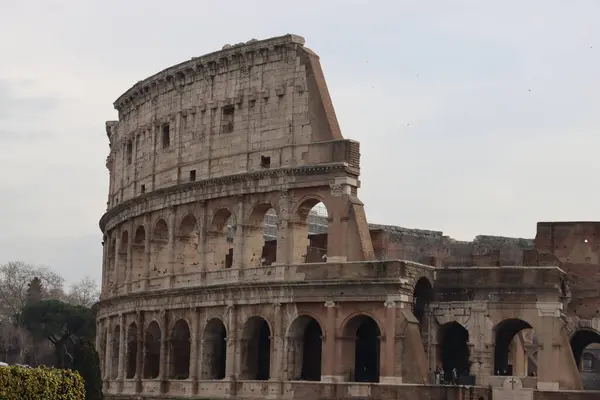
{"x":246,"y":108}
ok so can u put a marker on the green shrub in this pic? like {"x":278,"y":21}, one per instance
{"x":19,"y":383}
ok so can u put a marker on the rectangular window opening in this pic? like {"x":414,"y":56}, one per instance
{"x":227,"y":119}
{"x":265,"y":162}
{"x":143,"y":189}
{"x":129,"y":152}
{"x":166,"y":136}
{"x":193,"y":175}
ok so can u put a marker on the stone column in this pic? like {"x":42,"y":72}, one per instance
{"x":233,"y":353}
{"x":202,"y":229}
{"x":194,"y":349}
{"x":147,"y":250}
{"x":172,"y":238}
{"x":129,"y":270}
{"x":105,"y":246}
{"x":338,"y":227}
{"x":329,"y":373}
{"x":139,"y":359}
{"x":277,"y":345}
{"x":163,"y":374}
{"x":109,"y":339}
{"x":388,"y":352}
{"x":117,"y":264}
{"x":122,"y":346}
{"x":549,"y":335}
{"x":239,"y":240}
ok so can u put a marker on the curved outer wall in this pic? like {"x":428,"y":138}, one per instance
{"x":217,"y":141}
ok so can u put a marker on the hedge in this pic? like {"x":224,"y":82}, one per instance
{"x":20,"y":383}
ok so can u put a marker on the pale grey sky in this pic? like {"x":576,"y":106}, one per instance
{"x":474,"y":117}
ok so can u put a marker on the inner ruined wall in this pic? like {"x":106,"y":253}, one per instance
{"x":436,"y":249}
{"x":576,"y":245}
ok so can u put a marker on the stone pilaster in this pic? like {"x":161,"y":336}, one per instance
{"x":329,"y":373}
{"x":141,"y":348}
{"x":194,"y":358}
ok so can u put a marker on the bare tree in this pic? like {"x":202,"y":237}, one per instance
{"x":84,"y":293}
{"x":15,"y":277}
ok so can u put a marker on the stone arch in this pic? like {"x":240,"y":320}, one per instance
{"x":122,"y":257}
{"x":256,"y":349}
{"x":304,"y":346}
{"x":504,"y":334}
{"x":214,"y":350}
{"x":138,"y":253}
{"x":220,"y":239}
{"x":186,"y":245}
{"x":581,"y":339}
{"x":152,"y":351}
{"x":310,"y":230}
{"x":116,"y":346}
{"x":132,"y":351}
{"x":454,"y":349}
{"x":422,"y":296}
{"x":179,"y":350}
{"x":259,"y":249}
{"x":361,"y":348}
{"x":159,"y":251}
{"x":161,"y":230}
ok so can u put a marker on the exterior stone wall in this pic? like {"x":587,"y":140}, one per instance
{"x":196,"y":304}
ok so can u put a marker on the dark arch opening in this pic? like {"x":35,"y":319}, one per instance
{"x":422,"y":296}
{"x":305,"y":342}
{"x":505,"y":333}
{"x":152,"y":351}
{"x":580,"y":340}
{"x":258,"y":349}
{"x":455,"y":349}
{"x":366,"y":347}
{"x":132,"y":350}
{"x":180,"y":350}
{"x":215,"y":349}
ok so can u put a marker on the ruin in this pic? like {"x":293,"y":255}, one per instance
{"x":200,"y":300}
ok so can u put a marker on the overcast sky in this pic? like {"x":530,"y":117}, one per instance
{"x":474,"y":117}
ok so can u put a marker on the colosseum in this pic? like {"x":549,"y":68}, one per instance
{"x":238,"y":261}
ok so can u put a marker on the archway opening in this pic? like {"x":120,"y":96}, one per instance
{"x":180,"y":351}
{"x":116,"y":341}
{"x":581,"y":340}
{"x":257,"y":338}
{"x":505,"y":361}
{"x":152,"y":351}
{"x":122,"y":260}
{"x":455,"y":350}
{"x":585,"y":345}
{"x":186,"y":254}
{"x":305,"y":349}
{"x":132,"y":351}
{"x":138,"y":254}
{"x":214,"y":350}
{"x":270,"y":234}
{"x":422,"y":296}
{"x":159,"y":251}
{"x":361,"y":349}
{"x":311,"y":228}
{"x":220,"y":240}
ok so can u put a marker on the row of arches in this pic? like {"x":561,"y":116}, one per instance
{"x":303,"y":350}
{"x":151,"y":253}
{"x":512,"y":337}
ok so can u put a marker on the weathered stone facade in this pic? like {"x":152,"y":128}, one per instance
{"x":219,"y":141}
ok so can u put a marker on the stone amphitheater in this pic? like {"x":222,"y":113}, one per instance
{"x":198,"y":301}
